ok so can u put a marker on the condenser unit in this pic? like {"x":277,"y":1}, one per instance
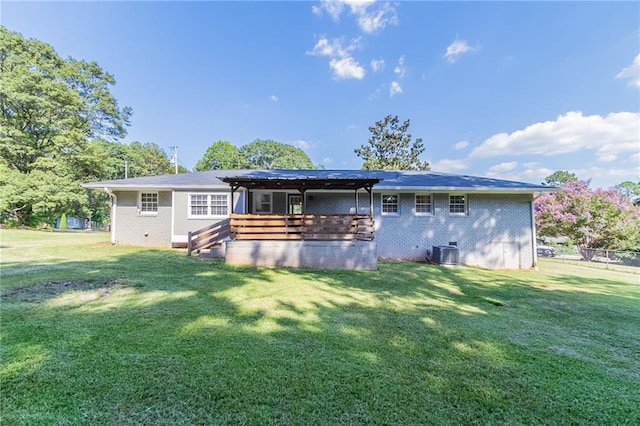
{"x":446,"y":255}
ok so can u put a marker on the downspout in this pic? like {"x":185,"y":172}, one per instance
{"x":534,"y":232}
{"x":114,"y":208}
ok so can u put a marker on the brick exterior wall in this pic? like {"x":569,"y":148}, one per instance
{"x":141,"y":229}
{"x":496,"y":233}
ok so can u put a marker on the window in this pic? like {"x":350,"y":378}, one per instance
{"x":199,"y":205}
{"x":458,"y":204}
{"x":219,"y":204}
{"x":148,"y":202}
{"x":262,"y":203}
{"x":390,"y":204}
{"x":423,"y":204}
{"x":208,"y":205}
{"x":295,"y":204}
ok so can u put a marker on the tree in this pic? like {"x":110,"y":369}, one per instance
{"x":560,"y":178}
{"x":148,"y":159}
{"x":268,"y":154}
{"x":221,"y":155}
{"x":630,"y":190}
{"x":49,"y":109}
{"x":390,"y":147}
{"x":142,"y":159}
{"x":592,"y":219}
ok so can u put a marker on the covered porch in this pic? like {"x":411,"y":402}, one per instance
{"x":299,"y":238}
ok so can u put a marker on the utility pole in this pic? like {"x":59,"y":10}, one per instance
{"x":174,"y":157}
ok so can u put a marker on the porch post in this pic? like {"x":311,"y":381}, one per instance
{"x":370,"y":191}
{"x":303,"y":191}
{"x":304,"y":199}
{"x":356,"y":199}
{"x":233,"y":193}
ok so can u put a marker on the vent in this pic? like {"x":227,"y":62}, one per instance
{"x":446,"y":255}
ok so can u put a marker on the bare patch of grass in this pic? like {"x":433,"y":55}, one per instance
{"x":36,"y":293}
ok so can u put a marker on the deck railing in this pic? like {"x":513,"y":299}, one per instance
{"x":301,"y":227}
{"x":208,"y":236}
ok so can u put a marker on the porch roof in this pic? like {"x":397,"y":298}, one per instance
{"x":304,"y":180}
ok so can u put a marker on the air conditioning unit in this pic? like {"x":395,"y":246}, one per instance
{"x":446,"y":255}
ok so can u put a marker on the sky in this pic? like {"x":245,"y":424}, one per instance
{"x":509,"y":90}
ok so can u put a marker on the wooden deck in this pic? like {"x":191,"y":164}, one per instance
{"x":311,"y":227}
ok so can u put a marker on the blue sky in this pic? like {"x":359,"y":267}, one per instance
{"x":512,"y":90}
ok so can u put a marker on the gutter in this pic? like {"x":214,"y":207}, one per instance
{"x":114,"y":208}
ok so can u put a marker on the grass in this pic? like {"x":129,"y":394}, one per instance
{"x":99,"y":334}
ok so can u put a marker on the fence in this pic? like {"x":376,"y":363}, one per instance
{"x":613,"y":257}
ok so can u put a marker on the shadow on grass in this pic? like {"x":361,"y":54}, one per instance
{"x":176,"y":340}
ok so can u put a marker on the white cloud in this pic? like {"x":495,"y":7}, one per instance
{"x":449,"y":166}
{"x":461,"y":145}
{"x":457,"y":49}
{"x":614,"y":175}
{"x":377,"y":65}
{"x":372,"y":21}
{"x":602,"y":176}
{"x":334,"y":48}
{"x":327,"y":160}
{"x":371,"y":16}
{"x":400,"y":69}
{"x":346,"y":68}
{"x":394,"y":89}
{"x":610,"y":136}
{"x":529,"y":172}
{"x":632,"y":73}
{"x":375,"y":95}
{"x":503,"y":167}
{"x":333,"y":7}
{"x":342,"y":63}
{"x":534,"y":171}
{"x":274,"y":98}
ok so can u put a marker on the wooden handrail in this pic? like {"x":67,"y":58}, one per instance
{"x":208,"y":236}
{"x":301,"y":227}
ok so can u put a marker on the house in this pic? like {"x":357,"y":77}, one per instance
{"x":329,"y":218}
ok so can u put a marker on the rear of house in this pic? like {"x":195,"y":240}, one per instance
{"x":489,"y":221}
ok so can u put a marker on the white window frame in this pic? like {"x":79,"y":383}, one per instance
{"x":258,"y":202}
{"x":209,"y":200}
{"x":142,"y":203}
{"x":465,"y":205}
{"x":416,"y":204}
{"x":382,"y":204}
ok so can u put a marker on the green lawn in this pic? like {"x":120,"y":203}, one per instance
{"x":99,"y":334}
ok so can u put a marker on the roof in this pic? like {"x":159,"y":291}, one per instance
{"x":318,"y":179}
